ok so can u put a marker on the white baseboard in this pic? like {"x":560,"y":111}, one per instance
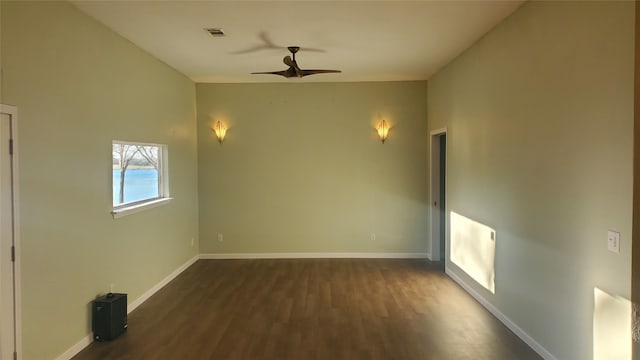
{"x":134,"y":304}
{"x":85,"y":341}
{"x":75,"y":349}
{"x":544,"y":353}
{"x":292,"y":255}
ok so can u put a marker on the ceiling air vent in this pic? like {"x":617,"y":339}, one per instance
{"x":215,"y":32}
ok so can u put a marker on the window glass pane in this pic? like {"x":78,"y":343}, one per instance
{"x":136,"y":172}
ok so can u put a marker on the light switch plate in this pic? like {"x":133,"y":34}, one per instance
{"x":613,"y":241}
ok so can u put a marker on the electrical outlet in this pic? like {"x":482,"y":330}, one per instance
{"x":220,"y":238}
{"x":613,"y":241}
{"x":373,"y":236}
{"x":192,"y":242}
{"x":111,"y":286}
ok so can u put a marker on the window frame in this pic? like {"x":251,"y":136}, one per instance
{"x":163,"y":197}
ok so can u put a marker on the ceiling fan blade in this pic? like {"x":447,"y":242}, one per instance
{"x":306,"y":49}
{"x":290,"y":72}
{"x":285,"y":73}
{"x":287,"y":61}
{"x":311,"y":72}
{"x":265,"y":44}
{"x":293,"y":65}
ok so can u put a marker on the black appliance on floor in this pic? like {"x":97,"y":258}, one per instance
{"x":109,"y":316}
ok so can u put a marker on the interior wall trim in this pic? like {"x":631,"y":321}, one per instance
{"x":76,"y":348}
{"x":85,"y":341}
{"x":635,"y":225}
{"x":544,"y":353}
{"x":314,"y":255}
{"x":142,"y":298}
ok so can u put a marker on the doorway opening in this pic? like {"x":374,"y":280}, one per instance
{"x":438,"y":205}
{"x":10,"y":322}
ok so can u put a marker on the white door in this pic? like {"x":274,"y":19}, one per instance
{"x":8,"y":318}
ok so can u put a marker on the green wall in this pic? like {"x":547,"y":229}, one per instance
{"x":78,"y":86}
{"x":302,"y":171}
{"x":540,"y":119}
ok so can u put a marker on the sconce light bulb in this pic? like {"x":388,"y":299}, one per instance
{"x":383,"y":130}
{"x":220,"y":130}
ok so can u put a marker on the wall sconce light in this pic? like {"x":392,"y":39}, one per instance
{"x":220,"y":130}
{"x":383,"y":130}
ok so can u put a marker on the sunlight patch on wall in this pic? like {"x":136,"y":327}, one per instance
{"x":611,"y":327}
{"x":473,"y":248}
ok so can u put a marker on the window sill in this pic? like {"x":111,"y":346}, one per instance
{"x":132,"y":209}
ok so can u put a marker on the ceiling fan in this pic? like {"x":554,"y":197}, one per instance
{"x":268,"y":44}
{"x":294,"y":70}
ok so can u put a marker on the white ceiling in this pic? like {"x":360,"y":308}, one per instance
{"x":367,"y":40}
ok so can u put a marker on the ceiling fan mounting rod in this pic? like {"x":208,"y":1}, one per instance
{"x":294,"y":50}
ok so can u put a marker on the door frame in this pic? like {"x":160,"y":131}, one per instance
{"x":635,"y":230}
{"x":12,"y":111}
{"x":434,"y":193}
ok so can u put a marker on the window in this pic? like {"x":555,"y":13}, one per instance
{"x":140,"y":177}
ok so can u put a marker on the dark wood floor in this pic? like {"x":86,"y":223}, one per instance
{"x":312,"y":309}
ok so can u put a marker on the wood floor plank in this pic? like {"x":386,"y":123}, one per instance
{"x":312,"y":309}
